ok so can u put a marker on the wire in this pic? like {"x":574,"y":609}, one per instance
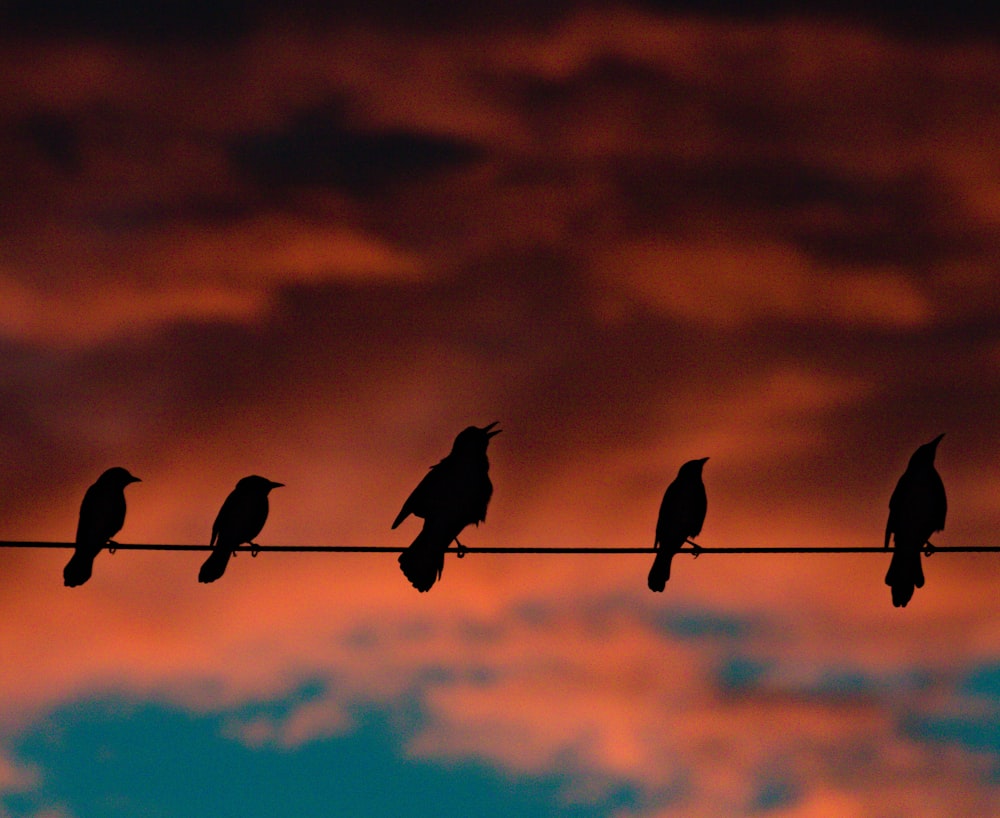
{"x":395,"y":549}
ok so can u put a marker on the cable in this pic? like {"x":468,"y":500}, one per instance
{"x":394,"y":549}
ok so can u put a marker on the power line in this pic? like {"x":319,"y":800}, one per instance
{"x":396,"y":549}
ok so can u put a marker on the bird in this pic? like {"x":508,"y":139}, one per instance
{"x":682,"y":514}
{"x":102,"y":515}
{"x":452,"y":495}
{"x":917,"y":509}
{"x":240,"y":519}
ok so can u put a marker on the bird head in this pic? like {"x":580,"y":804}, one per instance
{"x":924,"y":455}
{"x":475,"y":439}
{"x":117,"y":476}
{"x":258,"y":485}
{"x":693,"y":466}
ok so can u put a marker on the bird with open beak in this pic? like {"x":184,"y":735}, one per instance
{"x":453,"y":494}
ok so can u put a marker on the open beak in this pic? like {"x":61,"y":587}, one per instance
{"x":488,"y":432}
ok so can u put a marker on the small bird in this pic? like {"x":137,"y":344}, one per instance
{"x":453,"y":494}
{"x":917,"y":509}
{"x":682,"y":514}
{"x":240,"y":519}
{"x":102,"y":515}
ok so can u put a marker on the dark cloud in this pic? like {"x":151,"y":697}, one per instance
{"x":171,"y":20}
{"x":54,"y":136}
{"x":318,"y":149}
{"x":926,"y":19}
{"x":832,"y":214}
{"x":220,"y":21}
{"x":157,"y":20}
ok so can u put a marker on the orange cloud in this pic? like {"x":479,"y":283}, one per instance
{"x":230,"y":274}
{"x":575,"y":283}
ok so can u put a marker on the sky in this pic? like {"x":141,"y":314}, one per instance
{"x":315,"y":242}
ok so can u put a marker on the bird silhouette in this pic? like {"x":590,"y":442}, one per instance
{"x":682,"y":514}
{"x":453,"y":494}
{"x":240,"y":519}
{"x":917,"y":509}
{"x":102,"y":515}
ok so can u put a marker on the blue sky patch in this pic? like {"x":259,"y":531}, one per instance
{"x":113,"y":758}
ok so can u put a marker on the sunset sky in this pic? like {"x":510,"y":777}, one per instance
{"x":314,"y":241}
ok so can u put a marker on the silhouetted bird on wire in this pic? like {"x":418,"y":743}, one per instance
{"x":917,"y":509}
{"x":682,"y":514}
{"x":240,"y":519}
{"x":102,"y":515}
{"x":453,"y":494}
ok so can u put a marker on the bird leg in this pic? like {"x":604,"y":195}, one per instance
{"x":695,"y":548}
{"x":112,"y":546}
{"x":929,"y":548}
{"x":254,"y":550}
{"x":460,"y":549}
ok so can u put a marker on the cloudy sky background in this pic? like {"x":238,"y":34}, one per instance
{"x":315,"y":244}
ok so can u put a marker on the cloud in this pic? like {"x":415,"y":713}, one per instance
{"x":188,"y":273}
{"x":633,"y":239}
{"x":732,"y":286}
{"x":317,"y":148}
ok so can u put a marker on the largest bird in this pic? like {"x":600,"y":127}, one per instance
{"x":917,"y":509}
{"x":102,"y":515}
{"x":240,"y":519}
{"x":452,"y":495}
{"x":682,"y":514}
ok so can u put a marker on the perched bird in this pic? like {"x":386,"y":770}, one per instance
{"x":682,"y":514}
{"x":453,"y":494}
{"x":102,"y":515}
{"x":240,"y":519}
{"x":917,"y":509}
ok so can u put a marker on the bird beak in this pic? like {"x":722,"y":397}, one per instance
{"x":488,"y":432}
{"x":936,"y":440}
{"x":134,"y":479}
{"x":704,"y":460}
{"x":275,"y":485}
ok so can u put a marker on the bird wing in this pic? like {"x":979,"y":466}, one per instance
{"x":672,"y":513}
{"x":424,"y":495}
{"x":227,"y":521}
{"x":918,"y":506}
{"x":102,"y":515}
{"x":90,"y":517}
{"x":896,"y":502}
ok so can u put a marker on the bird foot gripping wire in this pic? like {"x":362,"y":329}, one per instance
{"x":112,"y":547}
{"x":695,"y":549}
{"x":460,"y":549}
{"x":254,"y":550}
{"x":929,"y":548}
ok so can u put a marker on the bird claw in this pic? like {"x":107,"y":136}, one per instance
{"x":695,"y":549}
{"x":112,"y":547}
{"x":460,"y":549}
{"x":254,"y":550}
{"x":929,"y":548}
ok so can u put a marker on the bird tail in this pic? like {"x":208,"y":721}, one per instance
{"x":79,"y":568}
{"x":423,"y":561}
{"x":215,"y":566}
{"x":905,"y":573}
{"x":660,"y":572}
